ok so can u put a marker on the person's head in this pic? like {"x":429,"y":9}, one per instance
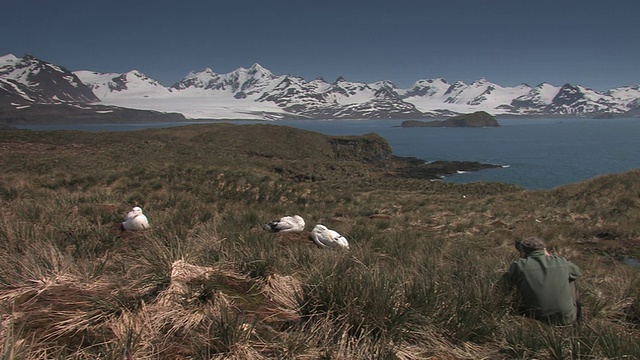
{"x":529,"y":245}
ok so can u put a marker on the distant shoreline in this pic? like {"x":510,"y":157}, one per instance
{"x":22,"y":123}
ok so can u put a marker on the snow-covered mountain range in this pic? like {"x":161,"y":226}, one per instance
{"x":256,"y":93}
{"x":35,"y":81}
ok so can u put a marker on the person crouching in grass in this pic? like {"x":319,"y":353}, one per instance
{"x":546,"y":283}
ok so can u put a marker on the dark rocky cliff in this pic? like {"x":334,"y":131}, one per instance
{"x":367,"y":148}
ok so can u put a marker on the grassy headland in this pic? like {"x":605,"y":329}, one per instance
{"x":207,"y":281}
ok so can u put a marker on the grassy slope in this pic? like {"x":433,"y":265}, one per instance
{"x":208,"y":281}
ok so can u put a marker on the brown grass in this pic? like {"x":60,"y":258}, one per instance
{"x":207,"y":281}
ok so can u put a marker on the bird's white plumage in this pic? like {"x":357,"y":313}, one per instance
{"x":131,"y":214}
{"x":287,"y":224}
{"x":325,"y":237}
{"x":135,"y":220}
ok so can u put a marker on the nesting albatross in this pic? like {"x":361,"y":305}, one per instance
{"x":328,"y":238}
{"x":135,"y":220}
{"x":286,"y":224}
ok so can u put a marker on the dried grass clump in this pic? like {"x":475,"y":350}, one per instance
{"x":193,"y":283}
{"x":63,"y":310}
{"x":282,"y":295}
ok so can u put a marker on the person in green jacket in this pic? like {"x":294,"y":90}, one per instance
{"x":546,"y":283}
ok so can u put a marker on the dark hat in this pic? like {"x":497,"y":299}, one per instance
{"x":530,"y":244}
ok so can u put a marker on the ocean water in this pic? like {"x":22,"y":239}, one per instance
{"x":534,"y":153}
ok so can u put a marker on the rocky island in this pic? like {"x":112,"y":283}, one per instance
{"x":476,"y":119}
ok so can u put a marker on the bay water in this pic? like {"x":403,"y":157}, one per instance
{"x":533,"y":153}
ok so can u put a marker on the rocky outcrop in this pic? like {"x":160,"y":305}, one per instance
{"x":410,"y":167}
{"x":366,"y":148}
{"x":376,"y":151}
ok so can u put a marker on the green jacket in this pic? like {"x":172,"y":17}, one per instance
{"x":546,"y":285}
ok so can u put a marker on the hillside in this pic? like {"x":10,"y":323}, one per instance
{"x":69,"y":113}
{"x":420,"y":280}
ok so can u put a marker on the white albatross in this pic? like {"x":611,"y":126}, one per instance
{"x":135,"y":220}
{"x":286,"y":224}
{"x":328,"y":238}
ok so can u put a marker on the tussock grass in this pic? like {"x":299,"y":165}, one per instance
{"x":421,"y":279}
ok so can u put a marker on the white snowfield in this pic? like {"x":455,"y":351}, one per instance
{"x":250,"y":94}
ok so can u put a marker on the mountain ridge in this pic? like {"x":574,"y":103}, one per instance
{"x":257,"y":93}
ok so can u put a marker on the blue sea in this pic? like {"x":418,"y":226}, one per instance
{"x":534,"y":153}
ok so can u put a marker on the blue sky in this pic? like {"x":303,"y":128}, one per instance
{"x":508,"y":42}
